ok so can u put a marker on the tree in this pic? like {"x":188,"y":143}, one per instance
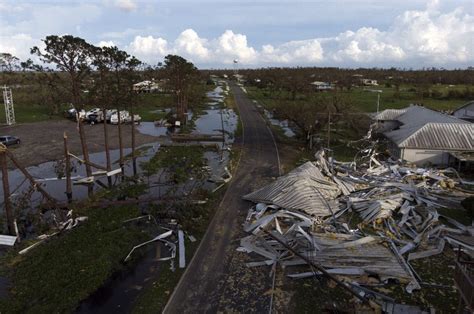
{"x":317,"y":115}
{"x":116,"y":75}
{"x":181,"y":75}
{"x":8,"y":62}
{"x":71,"y":55}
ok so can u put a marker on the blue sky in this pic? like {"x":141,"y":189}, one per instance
{"x":349,"y":33}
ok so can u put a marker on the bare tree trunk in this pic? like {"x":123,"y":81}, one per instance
{"x":120,"y":143}
{"x":85,"y":152}
{"x":6,"y":193}
{"x":68,"y":170}
{"x":31,"y":179}
{"x":82,"y":135}
{"x":106,"y":143}
{"x":134,"y":158}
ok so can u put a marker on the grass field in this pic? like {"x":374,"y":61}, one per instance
{"x":366,"y":101}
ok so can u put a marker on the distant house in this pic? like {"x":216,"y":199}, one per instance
{"x":423,"y":136}
{"x":369,"y":82}
{"x":465,"y":112}
{"x":147,"y":87}
{"x":322,"y":85}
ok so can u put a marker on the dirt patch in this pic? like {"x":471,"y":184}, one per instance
{"x":43,"y":141}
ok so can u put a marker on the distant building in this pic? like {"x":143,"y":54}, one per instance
{"x":147,"y":87}
{"x":423,"y":136}
{"x":322,"y":85}
{"x":369,"y":82}
{"x":465,"y":112}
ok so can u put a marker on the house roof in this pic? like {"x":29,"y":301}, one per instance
{"x":471,"y":103}
{"x":448,"y":136}
{"x":305,"y":189}
{"x":418,"y":115}
{"x":390,"y":114}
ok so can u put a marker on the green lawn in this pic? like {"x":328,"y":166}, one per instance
{"x":27,"y":114}
{"x":148,"y":104}
{"x":367,"y":101}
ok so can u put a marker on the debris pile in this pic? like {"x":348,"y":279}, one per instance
{"x":310,"y":210}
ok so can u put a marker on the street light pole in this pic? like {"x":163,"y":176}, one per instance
{"x":378,"y":102}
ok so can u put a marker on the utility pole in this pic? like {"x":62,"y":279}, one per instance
{"x":6,"y":190}
{"x":378,"y":102}
{"x":329,"y":130}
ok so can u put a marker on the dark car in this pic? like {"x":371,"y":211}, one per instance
{"x":8,"y":140}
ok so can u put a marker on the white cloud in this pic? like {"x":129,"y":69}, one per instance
{"x":126,"y":5}
{"x":417,"y":38}
{"x":148,"y":48}
{"x":105,"y":43}
{"x":232,"y":46}
{"x":190,"y":44}
{"x":18,"y":45}
{"x":435,"y":36}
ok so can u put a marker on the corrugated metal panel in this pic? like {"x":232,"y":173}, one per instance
{"x":7,"y":240}
{"x":390,"y":114}
{"x":414,"y":119}
{"x":304,"y":188}
{"x":450,"y":136}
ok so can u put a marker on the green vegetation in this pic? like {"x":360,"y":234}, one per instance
{"x":151,"y":106}
{"x":180,"y":161}
{"x":367,"y":101}
{"x":55,"y":276}
{"x":28,"y":113}
{"x":194,"y":219}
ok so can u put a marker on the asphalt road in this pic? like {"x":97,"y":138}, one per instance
{"x":217,"y":279}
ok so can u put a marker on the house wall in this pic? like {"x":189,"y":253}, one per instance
{"x":422,"y":157}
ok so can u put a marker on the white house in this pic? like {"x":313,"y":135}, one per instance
{"x":424,"y":136}
{"x":369,"y":82}
{"x":465,"y":112}
{"x":146,"y":87}
{"x":322,"y":85}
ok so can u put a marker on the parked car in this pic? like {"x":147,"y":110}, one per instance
{"x":8,"y":140}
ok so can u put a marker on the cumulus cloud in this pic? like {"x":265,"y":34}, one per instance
{"x":149,"y":47}
{"x":230,"y":46}
{"x":105,"y":43}
{"x":429,"y":37}
{"x":126,"y":5}
{"x":190,"y":44}
{"x":18,"y":45}
{"x":415,"y":37}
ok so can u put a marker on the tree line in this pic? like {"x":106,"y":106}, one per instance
{"x":77,"y":72}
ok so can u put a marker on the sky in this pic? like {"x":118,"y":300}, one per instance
{"x":260,"y":33}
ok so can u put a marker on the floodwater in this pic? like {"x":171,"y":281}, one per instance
{"x":46,"y":174}
{"x":284,"y":124}
{"x":149,"y":128}
{"x":209,"y":123}
{"x":127,"y":284}
{"x":119,"y":294}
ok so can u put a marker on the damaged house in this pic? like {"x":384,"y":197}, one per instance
{"x":423,"y":136}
